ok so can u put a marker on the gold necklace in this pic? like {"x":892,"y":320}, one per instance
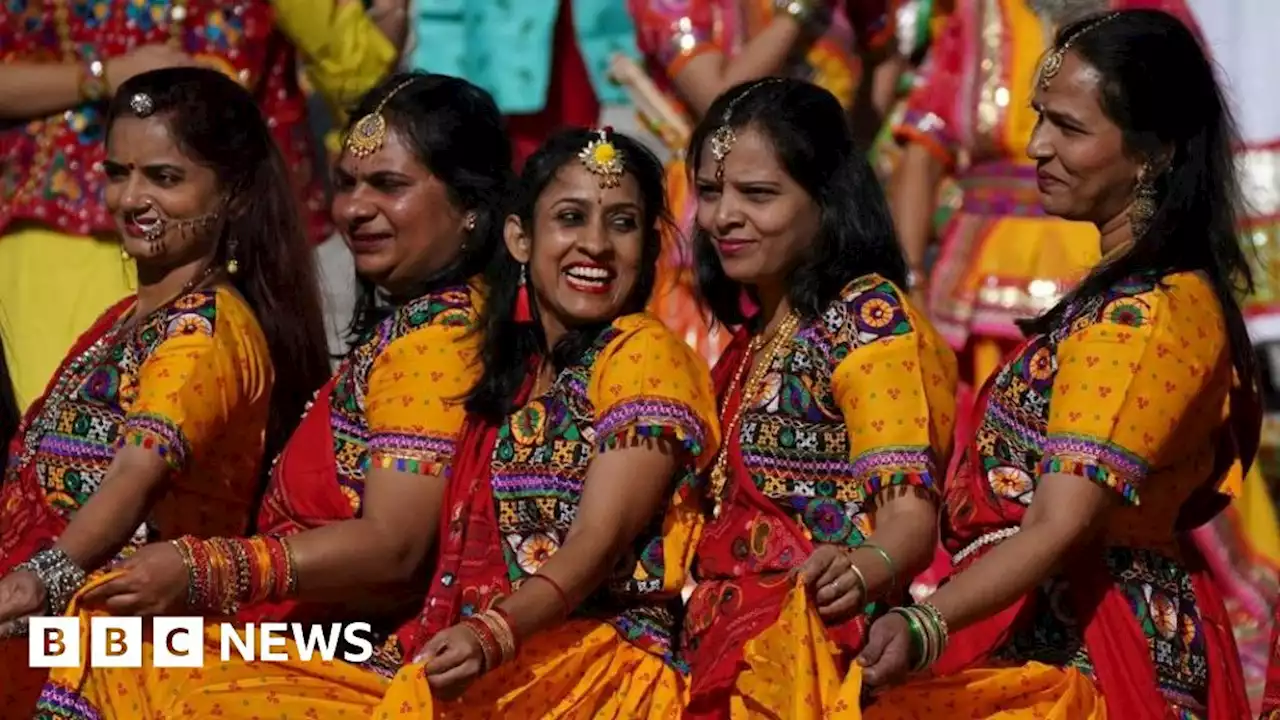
{"x":720,"y":471}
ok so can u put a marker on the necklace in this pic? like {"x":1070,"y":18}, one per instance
{"x":720,"y":471}
{"x":73,"y":375}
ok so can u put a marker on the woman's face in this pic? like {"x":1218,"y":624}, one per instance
{"x":1082,"y":170}
{"x":760,"y":219}
{"x":164,"y":202}
{"x":585,"y":250}
{"x":396,"y":216}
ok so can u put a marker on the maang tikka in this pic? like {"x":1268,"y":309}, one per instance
{"x":724,"y":137}
{"x":1052,"y":63}
{"x":370,"y":132}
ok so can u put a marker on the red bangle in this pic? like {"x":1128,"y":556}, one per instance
{"x":564,"y":599}
{"x":488,"y":642}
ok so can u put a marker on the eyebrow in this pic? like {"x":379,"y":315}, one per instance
{"x":1058,"y":117}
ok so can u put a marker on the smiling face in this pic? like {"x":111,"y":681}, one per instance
{"x":396,"y":216}
{"x":760,"y":220}
{"x":163,"y":201}
{"x":1082,"y":170}
{"x":585,"y":250}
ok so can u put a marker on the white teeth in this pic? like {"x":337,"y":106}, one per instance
{"x":582,"y":272}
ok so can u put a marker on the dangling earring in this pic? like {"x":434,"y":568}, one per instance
{"x":233,"y":266}
{"x":1144,"y":202}
{"x":523,"y":313}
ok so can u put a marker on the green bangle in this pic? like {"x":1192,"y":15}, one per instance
{"x":919,"y":641}
{"x":893,"y":571}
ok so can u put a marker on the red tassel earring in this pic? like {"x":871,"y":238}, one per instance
{"x":524,"y":313}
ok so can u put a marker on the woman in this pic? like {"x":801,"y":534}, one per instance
{"x":1071,"y":599}
{"x":697,"y":49}
{"x":155,"y":425}
{"x":59,"y":254}
{"x":349,"y":516}
{"x":836,"y":399}
{"x":1000,"y":257}
{"x":619,"y":400}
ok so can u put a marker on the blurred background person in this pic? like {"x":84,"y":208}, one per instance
{"x":60,"y":259}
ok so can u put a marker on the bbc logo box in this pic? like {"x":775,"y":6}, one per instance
{"x":179,"y":642}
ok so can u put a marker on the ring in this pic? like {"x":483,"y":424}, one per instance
{"x":835,"y":585}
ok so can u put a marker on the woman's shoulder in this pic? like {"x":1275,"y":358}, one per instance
{"x":642,"y":329}
{"x":456,"y":305}
{"x":1170,"y":302}
{"x":869,"y":308}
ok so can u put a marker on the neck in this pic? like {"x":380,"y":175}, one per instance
{"x":773,"y":306}
{"x":552,"y":329}
{"x":1116,"y":234}
{"x":157,"y":286}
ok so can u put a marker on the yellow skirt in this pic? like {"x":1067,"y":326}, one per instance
{"x":53,"y":286}
{"x":582,"y":669}
{"x":792,"y":672}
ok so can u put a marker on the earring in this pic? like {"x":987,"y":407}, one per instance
{"x":471,"y":222}
{"x":523,"y":311}
{"x":1144,"y":201}
{"x":233,"y":266}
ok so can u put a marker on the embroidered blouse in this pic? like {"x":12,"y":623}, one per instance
{"x":637,"y":380}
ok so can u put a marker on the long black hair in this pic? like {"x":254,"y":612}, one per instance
{"x":218,"y":124}
{"x":810,"y":132}
{"x":509,"y":346}
{"x":1159,"y":88}
{"x":457,"y":132}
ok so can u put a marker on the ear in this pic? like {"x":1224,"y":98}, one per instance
{"x":517,"y":240}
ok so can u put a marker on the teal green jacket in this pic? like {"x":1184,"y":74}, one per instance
{"x":504,"y":46}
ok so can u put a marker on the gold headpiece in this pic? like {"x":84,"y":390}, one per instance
{"x":723,"y":139}
{"x":370,"y":132}
{"x":1052,"y":63}
{"x":604,"y":158}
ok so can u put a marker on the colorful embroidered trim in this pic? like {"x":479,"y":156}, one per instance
{"x":59,"y":702}
{"x":158,"y":434}
{"x":651,"y":418}
{"x":413,"y":454}
{"x":1100,"y":462}
{"x":894,"y":467}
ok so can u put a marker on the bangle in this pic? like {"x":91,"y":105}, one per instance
{"x":488,"y":642}
{"x":564,"y":599}
{"x":225,"y":573}
{"x":803,"y":12}
{"x":862,"y":580}
{"x":893,"y":571}
{"x":93,"y":79}
{"x":59,"y":574}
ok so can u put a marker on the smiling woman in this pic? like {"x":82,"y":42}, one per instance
{"x":155,"y":425}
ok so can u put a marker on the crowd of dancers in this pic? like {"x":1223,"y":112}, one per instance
{"x":614,"y":438}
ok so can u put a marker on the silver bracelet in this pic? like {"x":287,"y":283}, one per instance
{"x":61,"y":577}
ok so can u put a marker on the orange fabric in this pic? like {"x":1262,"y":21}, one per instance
{"x":1031,"y":692}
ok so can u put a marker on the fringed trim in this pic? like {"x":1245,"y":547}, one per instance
{"x":650,"y":418}
{"x":158,"y":434}
{"x":1103,"y":463}
{"x":880,"y":470}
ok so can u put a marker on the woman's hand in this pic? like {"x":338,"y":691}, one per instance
{"x":886,"y":660}
{"x":155,"y":581}
{"x":829,"y":576}
{"x":21,"y":596}
{"x":454,"y":659}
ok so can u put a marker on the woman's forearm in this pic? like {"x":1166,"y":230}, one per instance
{"x":100,"y":529}
{"x":706,"y":77}
{"x":576,"y":569}
{"x":906,"y":530}
{"x":914,"y":190}
{"x":32,"y":90}
{"x":351,"y":561}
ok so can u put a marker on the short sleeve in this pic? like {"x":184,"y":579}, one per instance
{"x":929,"y":117}
{"x":414,"y":402}
{"x":673,"y":32}
{"x":344,"y":53}
{"x":210,"y":365}
{"x":1127,"y":382}
{"x":647,"y":383}
{"x":895,"y":385}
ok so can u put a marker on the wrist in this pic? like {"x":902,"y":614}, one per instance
{"x":92,"y":79}
{"x":226,"y":573}
{"x":811,"y":15}
{"x":59,"y":575}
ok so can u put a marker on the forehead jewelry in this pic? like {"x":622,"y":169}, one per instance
{"x":1052,"y":63}
{"x":723,"y":139}
{"x":142,"y":105}
{"x":370,"y":132}
{"x":604,"y":159}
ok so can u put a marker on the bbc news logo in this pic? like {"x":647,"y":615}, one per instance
{"x":179,"y":642}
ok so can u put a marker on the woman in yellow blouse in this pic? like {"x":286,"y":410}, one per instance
{"x":571,"y":508}
{"x":154,"y":426}
{"x":836,"y":402}
{"x":60,"y":263}
{"x":349,"y":517}
{"x":1102,"y":443}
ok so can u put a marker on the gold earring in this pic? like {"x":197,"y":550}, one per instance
{"x":1144,"y":201}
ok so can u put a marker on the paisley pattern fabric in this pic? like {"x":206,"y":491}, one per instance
{"x":1130,"y":392}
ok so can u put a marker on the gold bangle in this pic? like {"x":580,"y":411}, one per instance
{"x":893,"y":570}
